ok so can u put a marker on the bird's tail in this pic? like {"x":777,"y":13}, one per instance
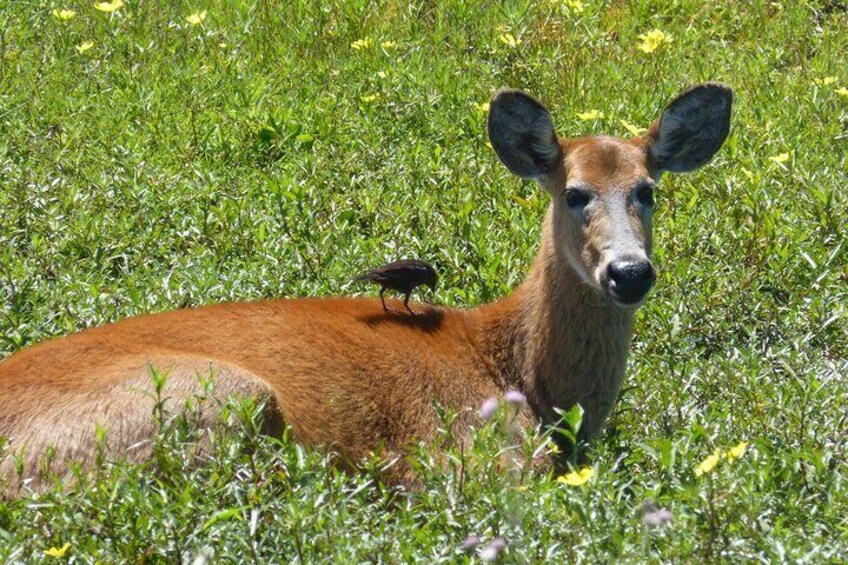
{"x":365,"y":276}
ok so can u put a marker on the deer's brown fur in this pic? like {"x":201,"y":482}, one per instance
{"x":343,"y":373}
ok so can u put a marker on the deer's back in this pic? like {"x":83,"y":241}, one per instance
{"x":339,"y":371}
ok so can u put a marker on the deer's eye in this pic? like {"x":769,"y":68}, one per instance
{"x":577,"y":199}
{"x":645,"y":195}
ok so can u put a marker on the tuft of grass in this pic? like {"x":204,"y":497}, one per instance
{"x":277,"y":148}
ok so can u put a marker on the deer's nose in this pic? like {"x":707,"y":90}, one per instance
{"x":630,"y":279}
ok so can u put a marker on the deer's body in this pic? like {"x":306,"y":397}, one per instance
{"x":343,"y":373}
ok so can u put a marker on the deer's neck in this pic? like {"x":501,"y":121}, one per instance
{"x":559,"y":340}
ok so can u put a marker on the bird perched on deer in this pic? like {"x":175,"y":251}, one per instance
{"x":403,"y":276}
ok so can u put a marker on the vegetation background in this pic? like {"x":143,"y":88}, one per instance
{"x":157,"y":155}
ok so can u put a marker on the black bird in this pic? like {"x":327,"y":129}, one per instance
{"x":402,"y":276}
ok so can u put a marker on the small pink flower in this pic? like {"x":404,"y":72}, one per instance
{"x":653,"y":516}
{"x":470,"y":542}
{"x":491,"y":551}
{"x":488,"y":408}
{"x":515,"y":398}
{"x":658,"y":518}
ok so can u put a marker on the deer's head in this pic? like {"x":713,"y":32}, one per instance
{"x":602,"y":187}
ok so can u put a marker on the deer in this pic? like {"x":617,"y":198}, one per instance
{"x":341,"y":373}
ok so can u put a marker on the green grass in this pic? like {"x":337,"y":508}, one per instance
{"x":172,"y":165}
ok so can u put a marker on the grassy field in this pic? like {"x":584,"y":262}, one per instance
{"x":169,"y":154}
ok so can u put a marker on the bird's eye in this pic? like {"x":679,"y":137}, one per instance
{"x":577,"y":199}
{"x":645,"y":195}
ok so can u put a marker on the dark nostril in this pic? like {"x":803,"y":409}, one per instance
{"x":630,"y":279}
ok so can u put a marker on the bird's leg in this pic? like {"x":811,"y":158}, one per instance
{"x":383,"y":300}
{"x":406,"y":303}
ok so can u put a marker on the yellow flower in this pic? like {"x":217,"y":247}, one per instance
{"x":842,"y":91}
{"x":634,"y":130}
{"x":590,"y":115}
{"x":737,"y":451}
{"x":576,"y":6}
{"x":780,"y":159}
{"x":382,"y":74}
{"x":64,"y":15}
{"x":652,"y":40}
{"x":824,"y":81}
{"x":388,"y":45}
{"x":483,"y":107}
{"x":360,"y":44}
{"x":58,"y":551}
{"x":196,"y":18}
{"x":109,"y":7}
{"x":84,"y":46}
{"x":370,"y":98}
{"x":509,"y":40}
{"x":708,"y":464}
{"x":577,"y":478}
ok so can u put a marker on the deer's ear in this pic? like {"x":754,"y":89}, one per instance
{"x":522,"y":133}
{"x":691,"y":129}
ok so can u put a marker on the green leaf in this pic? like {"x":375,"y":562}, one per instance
{"x":223,"y":516}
